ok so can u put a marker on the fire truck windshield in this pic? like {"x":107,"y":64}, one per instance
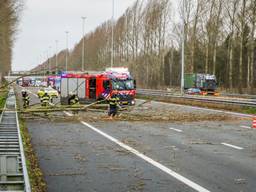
{"x":122,"y":84}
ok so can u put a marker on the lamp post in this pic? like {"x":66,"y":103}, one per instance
{"x":182,"y":47}
{"x":45,"y":66}
{"x":112,"y":31}
{"x":50,"y":64}
{"x":83,"y":48}
{"x":67,"y":50}
{"x":56,"y":57}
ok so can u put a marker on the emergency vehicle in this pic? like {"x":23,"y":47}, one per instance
{"x":54,"y":81}
{"x":99,"y":86}
{"x":26,"y":81}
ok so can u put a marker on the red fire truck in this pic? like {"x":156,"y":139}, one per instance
{"x":92,"y":87}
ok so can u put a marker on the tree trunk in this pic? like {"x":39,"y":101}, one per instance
{"x":241,"y":54}
{"x":231,"y":62}
{"x":252,"y":49}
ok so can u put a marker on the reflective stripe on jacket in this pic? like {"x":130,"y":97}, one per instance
{"x":45,"y":99}
{"x":113,"y":101}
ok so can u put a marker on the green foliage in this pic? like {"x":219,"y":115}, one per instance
{"x":3,"y":96}
{"x":9,"y":13}
{"x":36,"y":178}
{"x":249,"y":110}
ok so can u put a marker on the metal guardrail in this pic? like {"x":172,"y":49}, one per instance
{"x":207,"y":99}
{"x":13,"y":170}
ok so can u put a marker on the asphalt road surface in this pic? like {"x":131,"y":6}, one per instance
{"x":123,"y":156}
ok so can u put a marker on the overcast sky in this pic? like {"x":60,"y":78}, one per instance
{"x":45,"y":21}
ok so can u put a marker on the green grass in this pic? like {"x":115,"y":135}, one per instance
{"x":36,"y":178}
{"x":3,"y":96}
{"x":249,"y":110}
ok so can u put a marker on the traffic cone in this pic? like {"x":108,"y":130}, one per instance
{"x":254,"y":123}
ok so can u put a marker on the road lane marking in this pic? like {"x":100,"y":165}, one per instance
{"x":149,"y":160}
{"x":246,"y":127}
{"x":177,"y":130}
{"x":233,"y":146}
{"x":28,"y":91}
{"x":68,"y":114}
{"x":32,"y":93}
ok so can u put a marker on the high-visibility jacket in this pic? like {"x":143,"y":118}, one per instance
{"x":113,"y":102}
{"x":45,"y":99}
{"x":26,"y":98}
{"x":73,"y":100}
{"x":40,"y":93}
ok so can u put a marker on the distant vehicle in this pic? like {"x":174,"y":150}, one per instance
{"x":37,"y":83}
{"x":205,"y":82}
{"x":43,"y":84}
{"x":99,"y":86}
{"x":51,"y":92}
{"x":54,"y":81}
{"x":26,"y":81}
{"x":194,"y":91}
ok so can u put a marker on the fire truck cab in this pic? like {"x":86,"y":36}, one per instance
{"x":92,"y":87}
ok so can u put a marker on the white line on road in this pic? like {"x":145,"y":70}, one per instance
{"x":68,"y":114}
{"x":149,"y":160}
{"x":246,"y":127}
{"x":178,"y":130}
{"x":28,"y":91}
{"x":233,"y":146}
{"x":32,"y":93}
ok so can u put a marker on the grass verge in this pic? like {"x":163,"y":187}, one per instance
{"x":3,"y":96}
{"x":249,"y":110}
{"x":37,"y":181}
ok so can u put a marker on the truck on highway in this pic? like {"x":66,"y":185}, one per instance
{"x":207,"y":83}
{"x":99,"y":86}
{"x":54,"y":81}
{"x":26,"y":81}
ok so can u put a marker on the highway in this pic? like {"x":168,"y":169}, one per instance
{"x":102,"y":155}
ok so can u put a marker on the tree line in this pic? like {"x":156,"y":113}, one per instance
{"x":219,"y":39}
{"x":9,"y":16}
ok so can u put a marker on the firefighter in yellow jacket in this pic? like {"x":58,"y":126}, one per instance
{"x":45,"y":99}
{"x":113,"y":106}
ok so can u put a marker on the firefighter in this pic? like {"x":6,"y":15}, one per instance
{"x":45,"y":100}
{"x":73,"y":99}
{"x":113,"y":106}
{"x":25,"y":98}
{"x":40,"y":93}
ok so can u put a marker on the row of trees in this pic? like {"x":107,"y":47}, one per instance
{"x":219,"y":39}
{"x":9,"y":14}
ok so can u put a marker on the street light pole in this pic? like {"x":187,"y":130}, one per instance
{"x":67,"y":51}
{"x":183,"y":47}
{"x":45,"y":66}
{"x":56,"y":57}
{"x":112,"y":39}
{"x":83,"y":49}
{"x":50,"y":64}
